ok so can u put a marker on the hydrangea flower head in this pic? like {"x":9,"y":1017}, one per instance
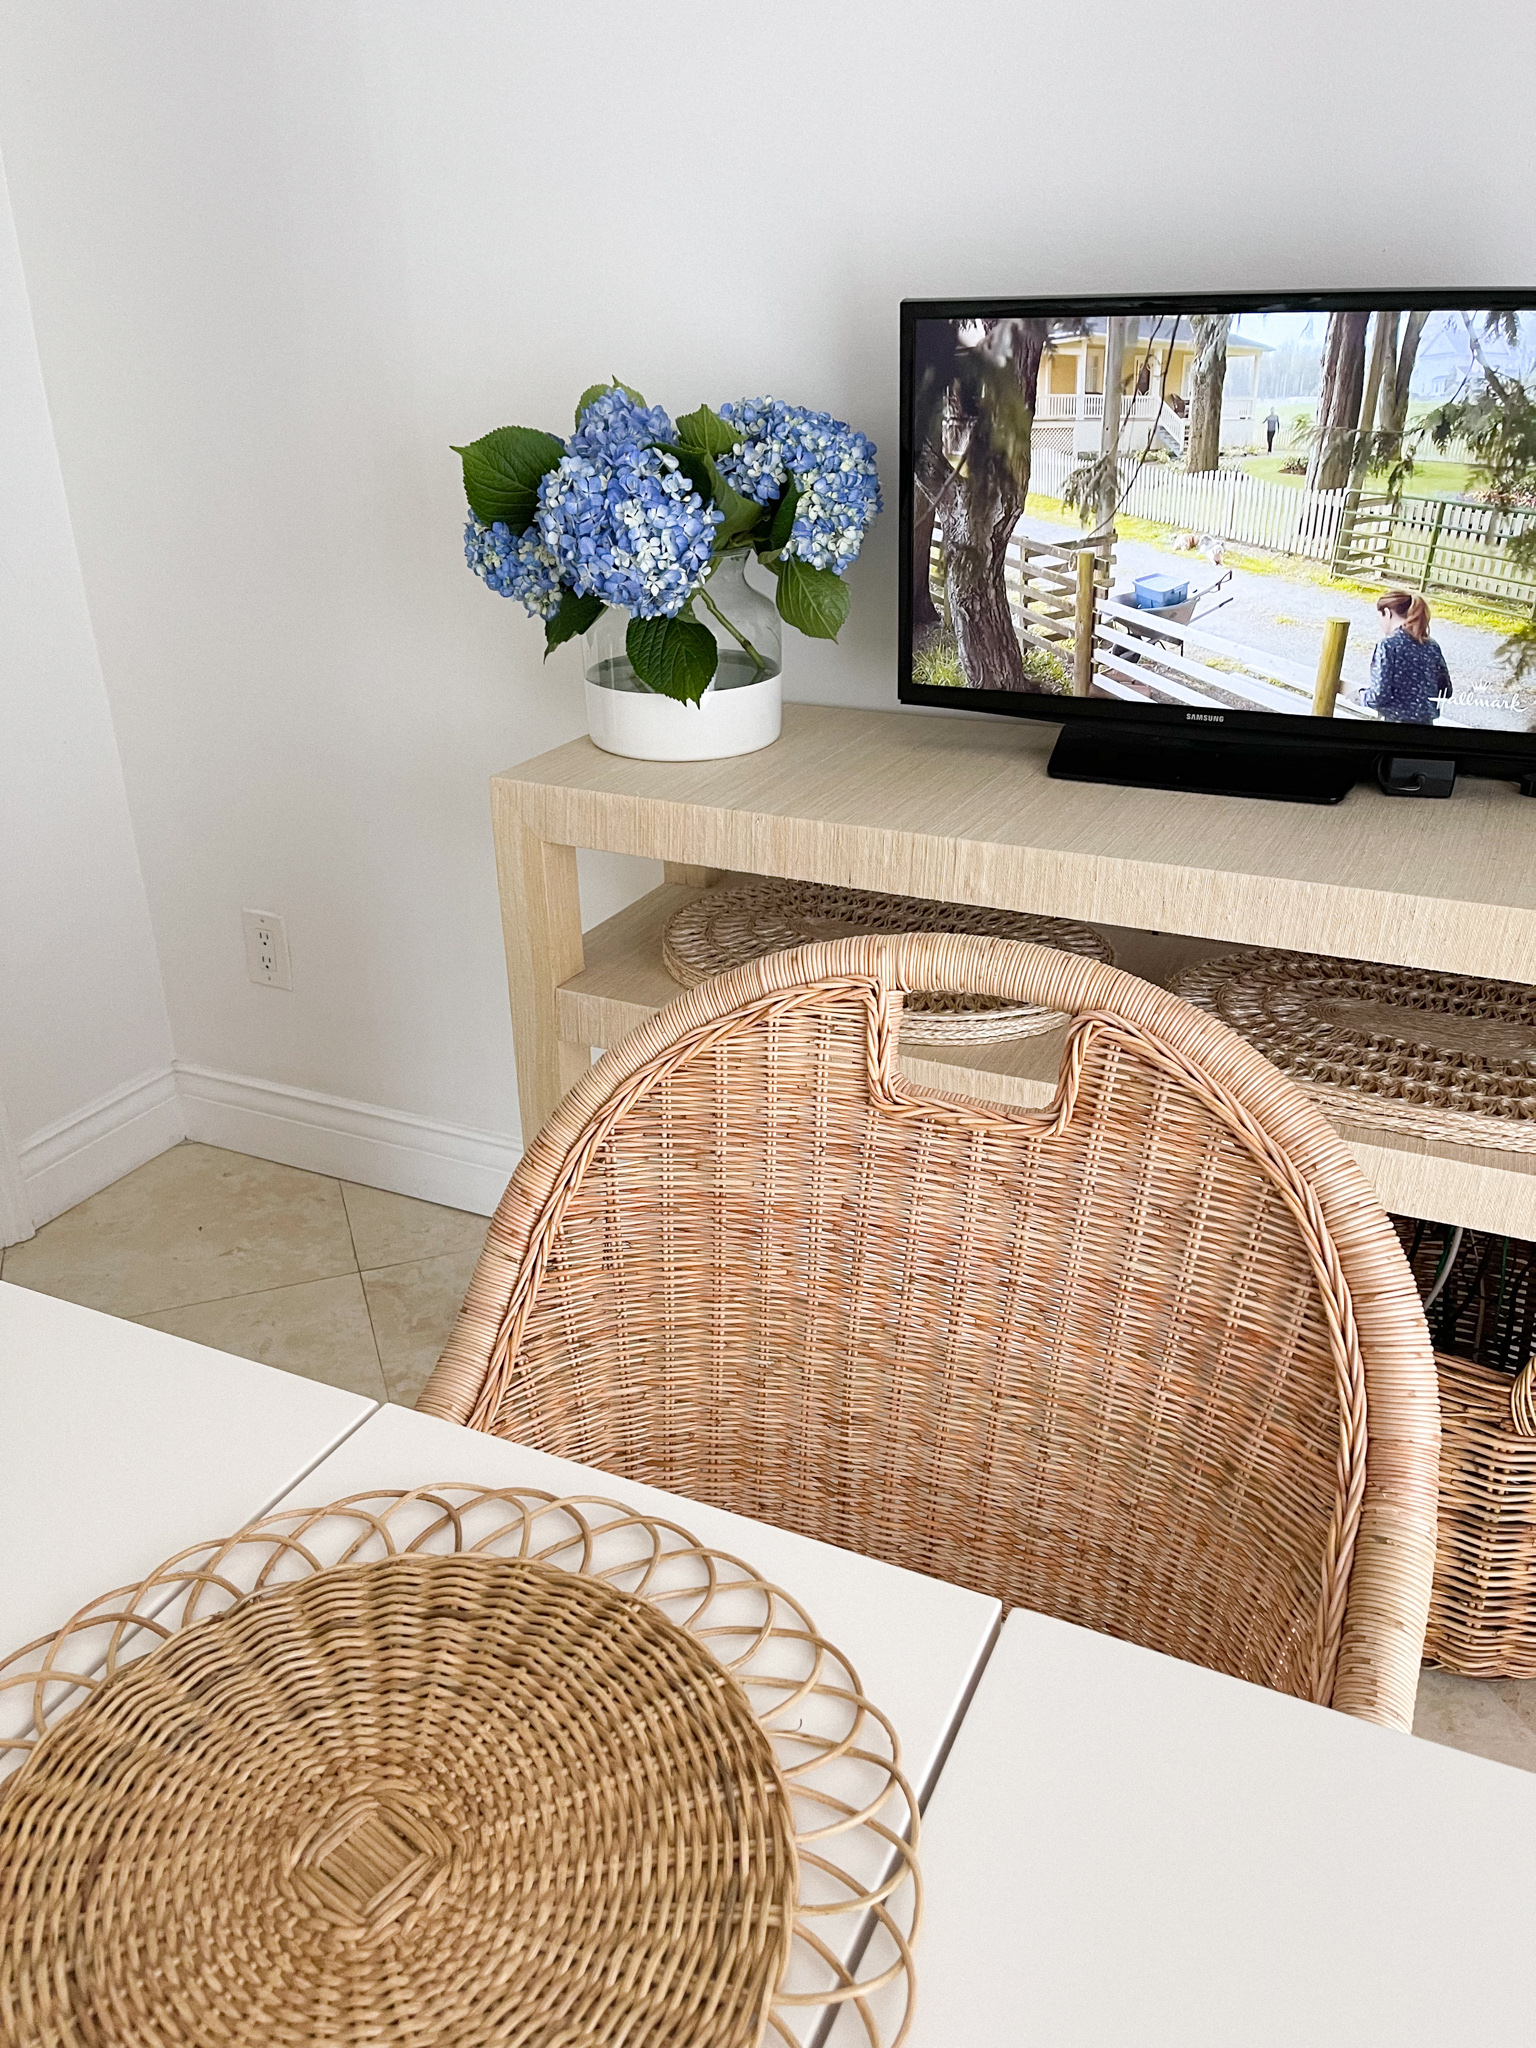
{"x":832,"y":466}
{"x":513,"y":564}
{"x":624,"y":523}
{"x":613,"y":422}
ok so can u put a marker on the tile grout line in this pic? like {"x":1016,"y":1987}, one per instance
{"x":172,"y":1308}
{"x":394,"y":1265}
{"x":363,"y":1290}
{"x":208,"y":1300}
{"x":256,"y":1290}
{"x":279,"y":1287}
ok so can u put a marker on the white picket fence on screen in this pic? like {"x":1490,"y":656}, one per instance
{"x":1226,"y":503}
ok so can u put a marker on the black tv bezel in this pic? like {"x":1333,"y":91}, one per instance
{"x":1471,"y":744}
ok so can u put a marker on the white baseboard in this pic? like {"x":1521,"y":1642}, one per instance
{"x":382,"y":1148}
{"x":84,"y":1153}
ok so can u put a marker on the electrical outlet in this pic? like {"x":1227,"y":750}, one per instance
{"x":266,"y":949}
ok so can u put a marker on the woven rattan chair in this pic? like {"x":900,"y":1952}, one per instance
{"x":1149,"y":1359}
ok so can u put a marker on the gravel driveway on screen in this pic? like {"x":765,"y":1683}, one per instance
{"x":1274,"y":614}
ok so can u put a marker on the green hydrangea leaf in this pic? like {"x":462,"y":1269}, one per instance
{"x":815,"y":601}
{"x":784,"y":515}
{"x":503,"y":471}
{"x":675,"y":657}
{"x":575,"y":615}
{"x":706,"y":431}
{"x":741,"y":514}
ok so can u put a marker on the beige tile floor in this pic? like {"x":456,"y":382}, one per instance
{"x":360,"y":1288}
{"x":321,"y":1277}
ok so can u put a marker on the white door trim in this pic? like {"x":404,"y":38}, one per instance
{"x":16,"y":1224}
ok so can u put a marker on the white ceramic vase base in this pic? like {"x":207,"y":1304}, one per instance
{"x":648,"y":727}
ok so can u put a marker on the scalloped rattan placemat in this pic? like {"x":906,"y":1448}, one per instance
{"x":726,"y":927}
{"x":447,"y":1766}
{"x":1444,"y":1056}
{"x":428,"y":1799}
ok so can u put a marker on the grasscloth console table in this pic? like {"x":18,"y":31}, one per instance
{"x":963,"y":810}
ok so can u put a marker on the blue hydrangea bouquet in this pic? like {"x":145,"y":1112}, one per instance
{"x":636,"y":512}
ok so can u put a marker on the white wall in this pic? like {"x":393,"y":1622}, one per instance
{"x":281,"y":255}
{"x":85,"y":1049}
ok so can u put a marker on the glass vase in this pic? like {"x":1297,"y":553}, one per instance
{"x":745,"y":623}
{"x":738,"y":713}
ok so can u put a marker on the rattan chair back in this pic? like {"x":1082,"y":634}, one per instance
{"x":1149,"y":1359}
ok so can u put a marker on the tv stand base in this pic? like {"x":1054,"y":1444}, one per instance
{"x":1139,"y":758}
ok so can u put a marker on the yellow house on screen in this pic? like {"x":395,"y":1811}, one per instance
{"x":1070,"y":405}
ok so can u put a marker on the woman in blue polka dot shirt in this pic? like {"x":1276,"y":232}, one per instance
{"x":1408,"y":672}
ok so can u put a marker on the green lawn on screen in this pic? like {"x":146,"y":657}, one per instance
{"x":1429,"y":479}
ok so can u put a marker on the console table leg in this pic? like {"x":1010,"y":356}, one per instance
{"x":691,"y":877}
{"x":541,"y":926}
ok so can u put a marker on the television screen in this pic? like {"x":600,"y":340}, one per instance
{"x":1241,"y":511}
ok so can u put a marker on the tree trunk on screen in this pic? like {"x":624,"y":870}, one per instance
{"x":1338,"y":409}
{"x":1381,"y":419}
{"x":1377,"y":373}
{"x":985,"y":638}
{"x":994,"y":395}
{"x":1115,"y":330}
{"x":1202,"y":449}
{"x":934,"y":370}
{"x":1396,"y":397}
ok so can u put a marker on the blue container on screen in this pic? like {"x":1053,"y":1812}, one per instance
{"x":1157,"y":593}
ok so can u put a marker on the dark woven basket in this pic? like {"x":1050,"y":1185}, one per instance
{"x":1486,"y":1309}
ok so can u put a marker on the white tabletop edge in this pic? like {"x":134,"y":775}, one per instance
{"x":121,"y":1445}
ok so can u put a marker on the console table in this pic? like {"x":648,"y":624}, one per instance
{"x":962,"y":809}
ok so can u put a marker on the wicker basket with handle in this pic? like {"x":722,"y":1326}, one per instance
{"x":1482,"y":1613}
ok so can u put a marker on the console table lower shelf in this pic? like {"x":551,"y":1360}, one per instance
{"x":963,"y":810}
{"x":624,"y":981}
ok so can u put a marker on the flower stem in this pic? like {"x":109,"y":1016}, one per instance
{"x":734,"y":631}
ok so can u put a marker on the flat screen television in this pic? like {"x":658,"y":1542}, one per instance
{"x":1258,"y":544}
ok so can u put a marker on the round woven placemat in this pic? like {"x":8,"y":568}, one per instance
{"x":448,"y":1765}
{"x":726,"y":927}
{"x":430,"y":1799}
{"x":1444,"y":1056}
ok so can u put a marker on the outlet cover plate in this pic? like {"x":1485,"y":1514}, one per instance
{"x":266,"y":949}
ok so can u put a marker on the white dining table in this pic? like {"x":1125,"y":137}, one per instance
{"x":1118,"y":1850}
{"x":1125,"y":1851}
{"x":120,"y":1444}
{"x":169,"y":1445}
